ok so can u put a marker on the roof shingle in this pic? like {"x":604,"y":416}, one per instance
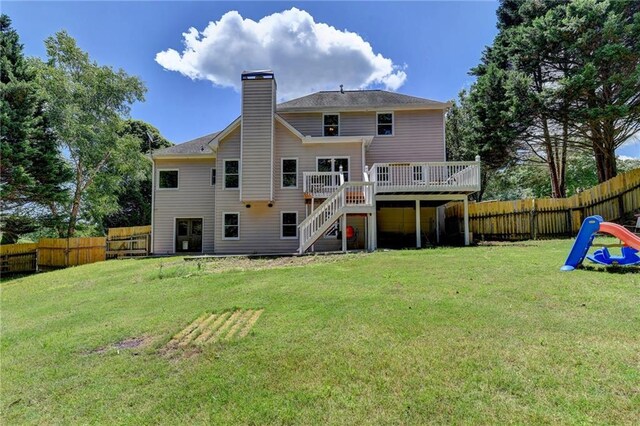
{"x":196,"y":146}
{"x":357,"y":99}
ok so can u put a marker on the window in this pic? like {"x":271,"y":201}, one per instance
{"x":230,"y":226}
{"x":213,"y":177}
{"x":289,"y":225}
{"x":385,"y":124}
{"x":168,"y":179}
{"x":289,"y":173}
{"x":331,"y":124}
{"x":332,"y":164}
{"x":231,"y":174}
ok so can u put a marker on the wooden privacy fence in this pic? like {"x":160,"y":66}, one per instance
{"x":15,"y":258}
{"x":53,"y":253}
{"x":547,"y":217}
{"x":64,"y":252}
{"x":127,"y":242}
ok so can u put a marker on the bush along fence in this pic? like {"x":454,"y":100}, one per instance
{"x":547,"y":217}
{"x":54,"y":253}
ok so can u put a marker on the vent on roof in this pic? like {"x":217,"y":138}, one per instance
{"x":341,"y":88}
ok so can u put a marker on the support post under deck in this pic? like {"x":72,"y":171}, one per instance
{"x":418,"y":232}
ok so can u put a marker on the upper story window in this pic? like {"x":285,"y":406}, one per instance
{"x":167,"y":179}
{"x":385,"y":123}
{"x":213,"y":177}
{"x":331,"y":124}
{"x":231,"y":174}
{"x":289,"y":172}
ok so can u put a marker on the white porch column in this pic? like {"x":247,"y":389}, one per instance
{"x":466,"y":221}
{"x":418,"y":233}
{"x":344,"y":233}
{"x":374,"y":228}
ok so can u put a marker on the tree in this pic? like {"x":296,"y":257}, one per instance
{"x":488,"y":121}
{"x":135,"y":200}
{"x":33,"y":174}
{"x":87,"y":103}
{"x":604,"y":39}
{"x":583,"y":64}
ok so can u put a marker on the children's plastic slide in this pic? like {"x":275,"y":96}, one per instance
{"x":588,"y":230}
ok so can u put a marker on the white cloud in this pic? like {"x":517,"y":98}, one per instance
{"x":306,"y":56}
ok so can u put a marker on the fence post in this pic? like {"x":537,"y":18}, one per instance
{"x":533,"y":220}
{"x":66,"y":255}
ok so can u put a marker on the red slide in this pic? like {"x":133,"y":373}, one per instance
{"x":621,"y":233}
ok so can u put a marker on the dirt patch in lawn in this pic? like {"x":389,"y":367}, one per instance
{"x":211,"y":328}
{"x":130,"y":343}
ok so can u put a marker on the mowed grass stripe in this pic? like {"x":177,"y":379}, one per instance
{"x":196,"y":331}
{"x":219,"y":332}
{"x":216,"y":324}
{"x":187,"y":330}
{"x":250,"y":323}
{"x":241,"y":322}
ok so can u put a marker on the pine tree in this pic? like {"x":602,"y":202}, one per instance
{"x":32,"y":171}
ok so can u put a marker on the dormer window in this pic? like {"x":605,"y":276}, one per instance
{"x":385,"y":124}
{"x":331,"y":124}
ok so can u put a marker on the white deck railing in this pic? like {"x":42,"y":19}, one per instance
{"x":320,"y":184}
{"x":426,"y":177}
{"x":349,"y":197}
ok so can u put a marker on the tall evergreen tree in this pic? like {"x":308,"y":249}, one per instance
{"x":33,"y":174}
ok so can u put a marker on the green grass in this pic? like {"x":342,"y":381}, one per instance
{"x":490,"y":334}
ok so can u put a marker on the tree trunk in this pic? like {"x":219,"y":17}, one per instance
{"x":556,"y":165}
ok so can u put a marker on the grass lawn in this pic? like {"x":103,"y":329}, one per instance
{"x":489,"y":334}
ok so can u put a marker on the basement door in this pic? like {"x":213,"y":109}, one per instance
{"x":188,"y":235}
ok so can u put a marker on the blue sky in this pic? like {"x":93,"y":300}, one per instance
{"x":419,"y":48}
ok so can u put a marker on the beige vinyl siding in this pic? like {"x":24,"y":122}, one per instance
{"x":194,"y":198}
{"x":260,"y":224}
{"x":418,"y":135}
{"x":307,"y":123}
{"x":257,"y":139}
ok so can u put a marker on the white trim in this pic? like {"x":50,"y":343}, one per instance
{"x":168,"y":170}
{"x":224,"y":174}
{"x":273,"y":136}
{"x":323,"y":125}
{"x":282,"y":160}
{"x":215,"y":142}
{"x":175,"y":220}
{"x":211,"y":175}
{"x":241,"y":148}
{"x":153,"y":199}
{"x":182,"y":156}
{"x":393,"y":124}
{"x":308,"y":140}
{"x":289,"y":127}
{"x":444,"y":135}
{"x":223,"y":227}
{"x":282,"y":213}
{"x":335,"y":157}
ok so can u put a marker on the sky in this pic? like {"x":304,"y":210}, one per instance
{"x":190,"y":54}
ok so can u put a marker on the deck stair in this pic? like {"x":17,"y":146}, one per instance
{"x":350,"y":197}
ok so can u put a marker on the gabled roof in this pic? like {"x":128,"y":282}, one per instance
{"x":192,"y":148}
{"x":358,"y":100}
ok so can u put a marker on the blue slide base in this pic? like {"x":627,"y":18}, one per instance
{"x":589,"y":227}
{"x":603,"y":257}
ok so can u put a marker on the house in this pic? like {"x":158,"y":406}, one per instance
{"x":334,"y":170}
